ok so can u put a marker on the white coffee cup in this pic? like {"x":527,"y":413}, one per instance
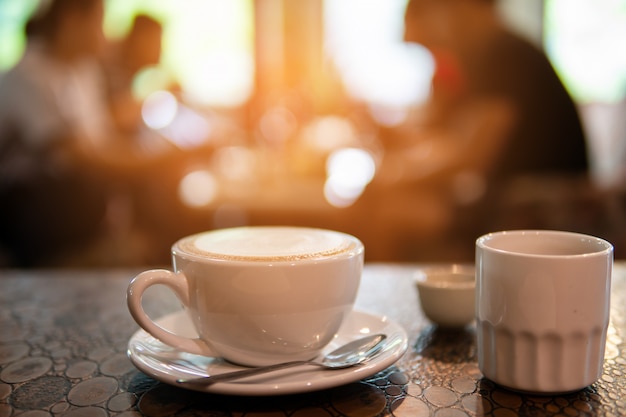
{"x":258,"y":295}
{"x":542,"y":309}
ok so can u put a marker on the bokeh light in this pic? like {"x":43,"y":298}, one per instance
{"x":328,"y":133}
{"x":278,"y":124}
{"x":180,"y":124}
{"x":198,"y":189}
{"x":348,"y":171}
{"x":159,"y":109}
{"x":235,"y":163}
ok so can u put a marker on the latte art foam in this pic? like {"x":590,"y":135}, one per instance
{"x":268,"y":244}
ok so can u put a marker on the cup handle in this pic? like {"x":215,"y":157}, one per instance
{"x":178,"y":284}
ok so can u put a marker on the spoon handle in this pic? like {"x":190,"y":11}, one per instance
{"x":228,"y":376}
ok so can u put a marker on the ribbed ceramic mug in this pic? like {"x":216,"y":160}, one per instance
{"x":542,"y":309}
{"x":258,"y":295}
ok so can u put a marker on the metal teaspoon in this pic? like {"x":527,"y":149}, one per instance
{"x":350,"y":354}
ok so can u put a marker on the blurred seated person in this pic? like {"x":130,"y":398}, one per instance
{"x":497,"y":111}
{"x":59,"y":152}
{"x":497,"y":104}
{"x":139,"y":49}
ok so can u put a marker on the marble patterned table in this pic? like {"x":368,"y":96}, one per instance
{"x":64,"y":336}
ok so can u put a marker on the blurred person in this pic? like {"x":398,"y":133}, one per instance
{"x":139,"y":49}
{"x":527,"y":121}
{"x":149,"y":203}
{"x":59,"y":151}
{"x":497,"y":112}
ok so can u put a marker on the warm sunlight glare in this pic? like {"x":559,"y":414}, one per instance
{"x":584,"y":39}
{"x":207,"y":45}
{"x":364,"y":39}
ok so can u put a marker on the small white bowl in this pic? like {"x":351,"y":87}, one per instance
{"x":447,"y":293}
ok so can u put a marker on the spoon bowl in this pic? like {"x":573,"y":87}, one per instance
{"x":351,"y":354}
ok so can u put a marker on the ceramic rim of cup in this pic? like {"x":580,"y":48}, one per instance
{"x":602,"y":247}
{"x":353,"y":249}
{"x":460,"y":270}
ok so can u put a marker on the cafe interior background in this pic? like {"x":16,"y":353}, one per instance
{"x":288,"y":107}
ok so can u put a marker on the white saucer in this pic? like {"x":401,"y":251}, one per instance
{"x":167,"y":364}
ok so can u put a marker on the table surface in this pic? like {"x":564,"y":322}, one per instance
{"x":64,"y":335}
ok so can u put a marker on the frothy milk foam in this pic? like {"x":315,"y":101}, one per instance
{"x":268,"y":243}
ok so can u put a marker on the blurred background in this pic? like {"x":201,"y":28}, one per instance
{"x":285,"y":112}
